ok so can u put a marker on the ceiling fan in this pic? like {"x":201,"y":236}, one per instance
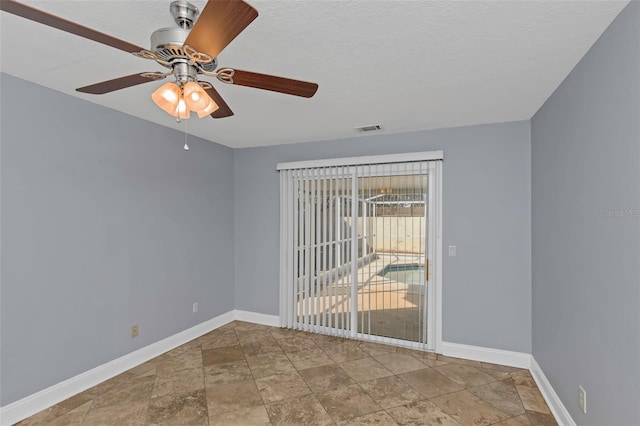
{"x":188,"y":51}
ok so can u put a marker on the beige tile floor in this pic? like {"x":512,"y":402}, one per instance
{"x":249,"y":374}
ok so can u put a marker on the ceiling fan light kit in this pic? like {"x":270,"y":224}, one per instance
{"x":171,"y":99}
{"x":195,"y":96}
{"x":211,"y":107}
{"x":181,"y":101}
{"x":188,"y":51}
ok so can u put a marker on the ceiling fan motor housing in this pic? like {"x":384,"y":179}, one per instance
{"x":167,"y":37}
{"x":167,"y":43}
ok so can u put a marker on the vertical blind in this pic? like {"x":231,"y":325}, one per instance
{"x":354,"y":250}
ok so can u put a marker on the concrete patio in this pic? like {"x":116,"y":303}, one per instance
{"x":386,"y":307}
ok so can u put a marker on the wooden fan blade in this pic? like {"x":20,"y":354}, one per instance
{"x":45,"y":18}
{"x":116,"y":84}
{"x":219,"y":23}
{"x":223,"y":109}
{"x":275,"y":84}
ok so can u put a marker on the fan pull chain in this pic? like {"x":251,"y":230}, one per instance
{"x":186,"y":146}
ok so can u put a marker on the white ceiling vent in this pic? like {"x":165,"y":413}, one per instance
{"x":371,"y":128}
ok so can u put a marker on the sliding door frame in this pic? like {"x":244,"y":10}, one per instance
{"x":433,"y":243}
{"x":434,"y":251}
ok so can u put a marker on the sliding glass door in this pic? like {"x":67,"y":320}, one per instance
{"x":355,"y":250}
{"x":391,"y":299}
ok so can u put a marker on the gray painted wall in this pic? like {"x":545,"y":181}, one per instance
{"x":486,"y":209}
{"x":106,"y":222}
{"x":586,"y":263}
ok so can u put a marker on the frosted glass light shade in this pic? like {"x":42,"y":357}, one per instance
{"x":211,"y":107}
{"x":182,"y":110}
{"x":167,"y":97}
{"x":195,"y":96}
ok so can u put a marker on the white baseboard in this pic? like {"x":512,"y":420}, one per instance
{"x":257,"y":318}
{"x":494,"y":356}
{"x":32,"y":404}
{"x":553,"y":401}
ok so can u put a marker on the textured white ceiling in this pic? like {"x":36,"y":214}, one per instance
{"x":406,"y":65}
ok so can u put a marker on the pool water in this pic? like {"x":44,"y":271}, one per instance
{"x":412,"y":273}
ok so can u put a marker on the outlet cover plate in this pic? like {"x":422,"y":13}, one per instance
{"x":582,"y":399}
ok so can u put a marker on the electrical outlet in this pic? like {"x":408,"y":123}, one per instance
{"x":134,"y":331}
{"x":195,"y":307}
{"x":452,"y":250}
{"x":582,"y":399}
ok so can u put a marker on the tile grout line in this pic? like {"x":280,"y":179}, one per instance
{"x":204,"y":380}
{"x":244,"y":354}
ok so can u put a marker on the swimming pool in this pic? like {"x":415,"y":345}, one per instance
{"x":408,"y":273}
